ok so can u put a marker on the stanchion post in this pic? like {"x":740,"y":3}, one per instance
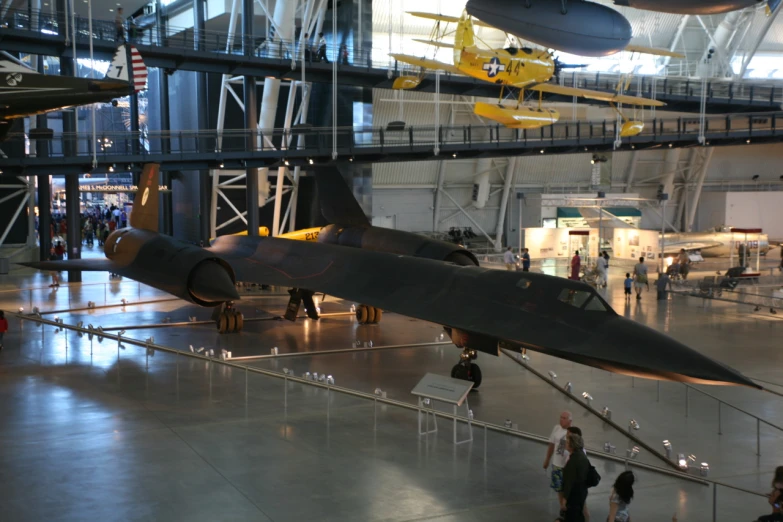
{"x":758,"y":436}
{"x":714,"y":502}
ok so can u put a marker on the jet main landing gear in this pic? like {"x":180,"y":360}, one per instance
{"x":366,"y":314}
{"x":466,"y":369}
{"x":228,"y":319}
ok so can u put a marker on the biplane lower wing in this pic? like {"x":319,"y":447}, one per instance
{"x":596,"y":95}
{"x":425,"y":63}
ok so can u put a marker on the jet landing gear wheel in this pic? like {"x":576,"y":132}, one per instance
{"x":230,"y":320}
{"x":366,"y":314}
{"x":467,"y":370}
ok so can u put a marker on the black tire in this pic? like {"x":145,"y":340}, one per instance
{"x":361,"y":314}
{"x":239,"y":322}
{"x":467,"y":373}
{"x":459,"y":371}
{"x":475,"y":375}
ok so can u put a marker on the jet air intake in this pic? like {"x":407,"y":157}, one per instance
{"x":173,"y":266}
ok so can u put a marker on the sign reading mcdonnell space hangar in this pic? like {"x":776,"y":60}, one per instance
{"x":116,"y":188}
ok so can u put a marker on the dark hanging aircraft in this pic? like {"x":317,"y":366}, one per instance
{"x":24,"y":92}
{"x":483,"y":310}
{"x":587,"y":28}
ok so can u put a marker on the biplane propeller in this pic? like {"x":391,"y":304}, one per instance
{"x":522,"y":68}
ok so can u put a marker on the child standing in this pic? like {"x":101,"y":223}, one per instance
{"x":627,"y":284}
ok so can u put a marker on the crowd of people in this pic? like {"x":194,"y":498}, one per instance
{"x":96,"y":223}
{"x":571,"y":475}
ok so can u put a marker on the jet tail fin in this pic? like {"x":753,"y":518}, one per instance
{"x":145,"y":207}
{"x":120,"y":70}
{"x":338,"y":204}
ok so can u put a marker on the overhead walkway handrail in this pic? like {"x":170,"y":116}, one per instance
{"x":452,"y":139}
{"x":217,"y":42}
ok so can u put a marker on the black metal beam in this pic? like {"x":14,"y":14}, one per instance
{"x":178,"y":54}
{"x":251,"y":124}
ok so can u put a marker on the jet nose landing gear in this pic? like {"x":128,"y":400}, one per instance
{"x":466,"y":369}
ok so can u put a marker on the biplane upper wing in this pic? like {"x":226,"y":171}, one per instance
{"x":596,"y":95}
{"x":435,"y":43}
{"x":653,"y":51}
{"x":447,"y":19}
{"x":426,"y":63}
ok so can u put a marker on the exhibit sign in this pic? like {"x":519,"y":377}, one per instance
{"x":442,"y":388}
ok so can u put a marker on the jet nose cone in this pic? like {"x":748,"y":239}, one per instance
{"x":643,"y":350}
{"x":210,"y":282}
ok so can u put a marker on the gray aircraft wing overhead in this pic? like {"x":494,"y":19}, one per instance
{"x":488,"y":308}
{"x":596,"y":217}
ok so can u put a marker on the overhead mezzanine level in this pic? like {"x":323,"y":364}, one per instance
{"x":221,"y":53}
{"x":193,"y":150}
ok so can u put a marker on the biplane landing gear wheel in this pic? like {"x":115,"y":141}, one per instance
{"x":366,"y":314}
{"x":229,"y":320}
{"x":467,"y":370}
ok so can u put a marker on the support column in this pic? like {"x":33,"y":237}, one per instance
{"x":670,"y":166}
{"x":166,"y":214}
{"x":714,"y":63}
{"x":202,"y":99}
{"x":438,"y":197}
{"x":705,"y":164}
{"x":251,"y":123}
{"x":510,"y":172}
{"x":72,"y":197}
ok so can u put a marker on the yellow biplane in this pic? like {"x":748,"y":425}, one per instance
{"x":521,"y":68}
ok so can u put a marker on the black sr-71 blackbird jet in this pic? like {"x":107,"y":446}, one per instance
{"x":24,"y":92}
{"x":481,"y":309}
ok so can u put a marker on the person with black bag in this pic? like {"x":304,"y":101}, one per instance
{"x":575,"y":480}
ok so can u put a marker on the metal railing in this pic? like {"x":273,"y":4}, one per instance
{"x":758,"y":419}
{"x":281,"y":143}
{"x":220,"y":42}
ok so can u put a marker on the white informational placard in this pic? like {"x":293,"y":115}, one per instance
{"x":442,"y":388}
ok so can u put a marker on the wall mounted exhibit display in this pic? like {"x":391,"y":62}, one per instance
{"x":631,"y":243}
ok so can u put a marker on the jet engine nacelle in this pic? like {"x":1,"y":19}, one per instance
{"x":700,"y":7}
{"x":184,"y":270}
{"x":473,"y":341}
{"x":586,"y":28}
{"x":396,"y":242}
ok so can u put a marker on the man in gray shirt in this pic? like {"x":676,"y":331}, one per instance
{"x":640,"y":277}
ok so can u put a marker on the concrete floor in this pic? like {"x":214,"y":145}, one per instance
{"x":102,"y":432}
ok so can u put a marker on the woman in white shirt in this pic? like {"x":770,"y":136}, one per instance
{"x":622,"y":493}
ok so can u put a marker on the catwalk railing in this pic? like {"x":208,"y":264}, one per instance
{"x":228,"y":148}
{"x":670,"y":83}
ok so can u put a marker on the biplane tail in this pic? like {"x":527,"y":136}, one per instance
{"x":464,"y":36}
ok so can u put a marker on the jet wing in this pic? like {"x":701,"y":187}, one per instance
{"x":653,"y":51}
{"x":596,"y":95}
{"x":607,"y":220}
{"x":534,"y":311}
{"x":426,"y":63}
{"x":691,"y":245}
{"x":86,"y":265}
